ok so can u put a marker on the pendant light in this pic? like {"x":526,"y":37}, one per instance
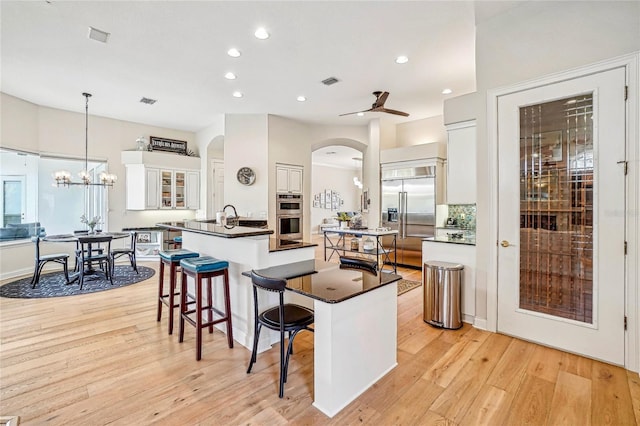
{"x":63,"y":177}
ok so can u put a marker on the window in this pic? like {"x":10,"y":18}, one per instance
{"x":29,"y":196}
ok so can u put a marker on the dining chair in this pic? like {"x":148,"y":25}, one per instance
{"x":86,"y":257}
{"x":130,"y":252}
{"x":285,"y":317}
{"x":98,"y":250}
{"x":41,"y":260}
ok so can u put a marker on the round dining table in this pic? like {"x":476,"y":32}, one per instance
{"x":71,"y":238}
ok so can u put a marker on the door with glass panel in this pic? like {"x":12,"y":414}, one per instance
{"x":13,"y":197}
{"x":561,"y":152}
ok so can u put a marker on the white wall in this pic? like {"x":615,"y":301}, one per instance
{"x":420,"y":132}
{"x":336,"y":179}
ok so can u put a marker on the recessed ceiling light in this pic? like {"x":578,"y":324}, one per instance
{"x":447,"y":91}
{"x":360,"y":114}
{"x":402,"y":60}
{"x":98,"y":35}
{"x":233,"y":52}
{"x":237,"y":94}
{"x":230,"y":76}
{"x":261,"y":34}
{"x":301,"y":98}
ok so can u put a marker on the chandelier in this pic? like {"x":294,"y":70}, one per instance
{"x":63,"y":177}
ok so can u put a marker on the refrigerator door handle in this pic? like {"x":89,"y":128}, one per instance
{"x":404,"y":214}
{"x":400,"y":218}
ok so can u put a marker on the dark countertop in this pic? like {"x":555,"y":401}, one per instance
{"x":215,"y":230}
{"x":469,"y":241}
{"x":330,"y":286}
{"x":143,"y":228}
{"x":281,"y":245}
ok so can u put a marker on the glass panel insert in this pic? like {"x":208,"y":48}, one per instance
{"x":556,"y":208}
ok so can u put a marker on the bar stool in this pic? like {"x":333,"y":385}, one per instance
{"x":172,"y":259}
{"x":177,"y":242}
{"x":199,"y":268}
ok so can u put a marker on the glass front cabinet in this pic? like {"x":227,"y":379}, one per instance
{"x":173,"y":189}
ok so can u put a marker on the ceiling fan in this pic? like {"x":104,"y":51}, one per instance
{"x":378,"y":106}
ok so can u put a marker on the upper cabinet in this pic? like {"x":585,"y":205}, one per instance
{"x":461,"y":163}
{"x":154,"y":181}
{"x":289,"y":178}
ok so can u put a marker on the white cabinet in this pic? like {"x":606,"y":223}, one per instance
{"x":193,"y":190}
{"x":289,"y":178}
{"x":157,"y":181}
{"x":461,"y":163}
{"x":143,"y":187}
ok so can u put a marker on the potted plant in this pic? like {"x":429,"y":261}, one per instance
{"x":343,"y":218}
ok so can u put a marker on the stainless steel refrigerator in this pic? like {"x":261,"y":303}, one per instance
{"x":408,"y":205}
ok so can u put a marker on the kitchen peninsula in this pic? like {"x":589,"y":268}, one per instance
{"x":245,"y":249}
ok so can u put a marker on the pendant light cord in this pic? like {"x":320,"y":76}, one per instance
{"x":86,"y":132}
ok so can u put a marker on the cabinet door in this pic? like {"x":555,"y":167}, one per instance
{"x":152,"y":190}
{"x":295,"y":180}
{"x":282,"y":179}
{"x":179,"y":190}
{"x":193,"y":190}
{"x":166,"y":188}
{"x":461,"y":163}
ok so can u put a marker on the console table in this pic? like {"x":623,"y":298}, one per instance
{"x":335,"y":241}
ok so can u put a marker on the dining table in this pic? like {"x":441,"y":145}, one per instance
{"x":73,"y":238}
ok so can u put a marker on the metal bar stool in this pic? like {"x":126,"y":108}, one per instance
{"x":172,"y":259}
{"x":199,"y":268}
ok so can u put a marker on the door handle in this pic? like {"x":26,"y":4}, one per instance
{"x":505,"y":243}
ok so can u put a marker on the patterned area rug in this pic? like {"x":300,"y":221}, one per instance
{"x":54,"y":285}
{"x":407,"y":285}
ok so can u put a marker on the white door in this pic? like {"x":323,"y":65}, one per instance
{"x":217,"y":197}
{"x":561,"y":215}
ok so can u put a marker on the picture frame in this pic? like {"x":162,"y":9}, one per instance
{"x":365,"y":201}
{"x":143,"y":237}
{"x":316,"y":203}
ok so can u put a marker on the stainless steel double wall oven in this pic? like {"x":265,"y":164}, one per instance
{"x":289,"y":209}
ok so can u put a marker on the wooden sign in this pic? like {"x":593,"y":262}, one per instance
{"x":169,"y":145}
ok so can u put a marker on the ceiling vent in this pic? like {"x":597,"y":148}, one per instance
{"x":329,"y":81}
{"x":98,"y":35}
{"x":148,"y":101}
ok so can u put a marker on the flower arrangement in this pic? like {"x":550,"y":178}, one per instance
{"x":90,"y":223}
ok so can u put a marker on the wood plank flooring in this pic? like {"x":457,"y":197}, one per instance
{"x":103,"y":359}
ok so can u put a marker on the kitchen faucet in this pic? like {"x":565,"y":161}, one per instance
{"x":235,"y":213}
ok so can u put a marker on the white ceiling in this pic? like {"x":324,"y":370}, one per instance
{"x":176,"y":52}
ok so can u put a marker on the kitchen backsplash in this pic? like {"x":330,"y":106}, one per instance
{"x":465,"y":215}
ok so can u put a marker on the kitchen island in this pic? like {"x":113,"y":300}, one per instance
{"x":245,"y":249}
{"x":355,"y":338}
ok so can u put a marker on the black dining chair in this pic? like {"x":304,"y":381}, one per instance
{"x":286,"y":317}
{"x":130,"y":252}
{"x":359,"y":264}
{"x":86,"y":257}
{"x":97,"y":250}
{"x":41,"y":260}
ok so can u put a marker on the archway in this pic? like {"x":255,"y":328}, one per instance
{"x":215,"y":175}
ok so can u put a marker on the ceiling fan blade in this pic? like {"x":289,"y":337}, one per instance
{"x":393,"y":111}
{"x":381,"y":100}
{"x":357,"y":112}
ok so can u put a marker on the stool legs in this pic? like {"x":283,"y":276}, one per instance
{"x":171,"y":302}
{"x":199,"y":309}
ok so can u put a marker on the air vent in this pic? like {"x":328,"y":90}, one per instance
{"x":329,"y":81}
{"x":98,"y":35}
{"x":148,"y":101}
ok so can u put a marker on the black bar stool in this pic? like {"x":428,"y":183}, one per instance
{"x":172,"y":259}
{"x":199,"y":268}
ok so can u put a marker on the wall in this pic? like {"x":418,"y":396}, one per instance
{"x":530,"y":41}
{"x":336,"y":179}
{"x":209,"y":150}
{"x":246,"y":145}
{"x":29,"y":127}
{"x":419,"y":132}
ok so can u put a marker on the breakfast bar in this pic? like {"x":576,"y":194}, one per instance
{"x":355,"y":337}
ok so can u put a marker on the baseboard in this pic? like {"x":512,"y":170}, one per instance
{"x":480,"y":323}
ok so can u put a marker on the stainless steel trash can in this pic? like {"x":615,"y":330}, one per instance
{"x":442,"y":294}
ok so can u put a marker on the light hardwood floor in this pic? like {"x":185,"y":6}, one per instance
{"x":103,"y":359}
